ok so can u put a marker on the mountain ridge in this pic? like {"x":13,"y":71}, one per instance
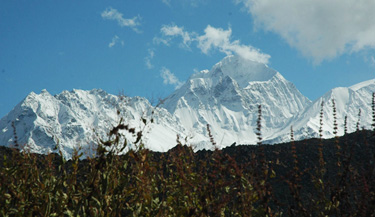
{"x":225,"y":97}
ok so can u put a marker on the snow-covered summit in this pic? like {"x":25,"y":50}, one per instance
{"x":239,"y":69}
{"x":226,"y":97}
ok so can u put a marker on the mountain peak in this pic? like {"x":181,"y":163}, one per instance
{"x":226,"y":98}
{"x":241,"y":69}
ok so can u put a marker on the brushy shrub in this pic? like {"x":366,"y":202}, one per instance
{"x":309,"y":178}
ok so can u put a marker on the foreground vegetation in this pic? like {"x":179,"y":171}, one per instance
{"x":314,"y":177}
{"x":306,"y":178}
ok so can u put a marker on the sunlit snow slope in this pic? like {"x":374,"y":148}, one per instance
{"x":349,"y":101}
{"x":80,"y":118}
{"x":225,"y":97}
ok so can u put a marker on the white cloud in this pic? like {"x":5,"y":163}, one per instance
{"x":151,"y":54}
{"x":170,"y":78}
{"x":114,"y":41}
{"x":320,"y":29}
{"x":217,"y":38}
{"x":213,"y":38}
{"x":113,"y":14}
{"x":173,"y":31}
{"x":158,"y":40}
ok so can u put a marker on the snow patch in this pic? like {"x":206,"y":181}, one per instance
{"x":358,"y":86}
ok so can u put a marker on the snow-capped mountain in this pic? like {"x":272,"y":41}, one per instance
{"x":80,"y":118}
{"x":349,"y":101}
{"x":225,"y":97}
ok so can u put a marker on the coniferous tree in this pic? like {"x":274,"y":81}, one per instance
{"x":212,"y":140}
{"x":373,"y":111}
{"x":334,"y":118}
{"x":15,"y":142}
{"x":359,"y":120}
{"x":337,"y":144}
{"x":321,"y":158}
{"x":345,"y":125}
{"x":294,"y":150}
{"x":321,"y":120}
{"x":259,"y":125}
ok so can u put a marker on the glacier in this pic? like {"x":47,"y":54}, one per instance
{"x":226,"y":98}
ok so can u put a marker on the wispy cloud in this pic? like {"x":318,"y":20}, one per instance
{"x":319,"y":29}
{"x":196,"y":3}
{"x":170,"y":78}
{"x":217,"y":38}
{"x":113,"y":14}
{"x":167,"y":2}
{"x":212,"y":39}
{"x":115,"y":40}
{"x":148,"y":58}
{"x":370,"y":60}
{"x":160,"y":40}
{"x":175,"y":31}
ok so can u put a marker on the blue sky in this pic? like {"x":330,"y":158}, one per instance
{"x":148,"y":48}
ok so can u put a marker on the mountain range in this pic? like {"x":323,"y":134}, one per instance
{"x":226,"y":98}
